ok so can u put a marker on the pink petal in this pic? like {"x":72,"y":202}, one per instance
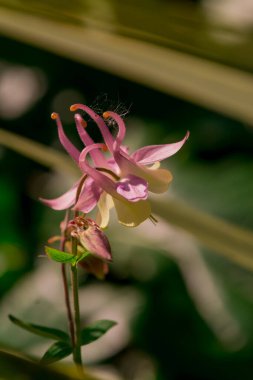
{"x":158,"y":180}
{"x":106,"y":183}
{"x":96,"y":155}
{"x":66,"y":143}
{"x":152,"y":153}
{"x":64,"y":201}
{"x":80,"y":126}
{"x":111,"y":164}
{"x":109,"y":140}
{"x":89,"y":196}
{"x":122,"y":128}
{"x":133,"y":188}
{"x":124,"y":149}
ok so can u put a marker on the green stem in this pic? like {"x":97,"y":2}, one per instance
{"x":65,"y":284}
{"x":67,"y":303}
{"x":77,"y":347}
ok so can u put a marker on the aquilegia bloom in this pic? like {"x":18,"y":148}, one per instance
{"x":122,"y":181}
{"x":157,"y":179}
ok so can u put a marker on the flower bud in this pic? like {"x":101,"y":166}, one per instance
{"x":92,"y":239}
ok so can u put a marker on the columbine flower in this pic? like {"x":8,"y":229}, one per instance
{"x":122,"y":181}
{"x":129,"y":194}
{"x":157,"y":179}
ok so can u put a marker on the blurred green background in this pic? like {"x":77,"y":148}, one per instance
{"x":182,"y":291}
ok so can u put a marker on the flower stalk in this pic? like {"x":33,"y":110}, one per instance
{"x":65,"y":284}
{"x":77,"y":341}
{"x":67,"y":303}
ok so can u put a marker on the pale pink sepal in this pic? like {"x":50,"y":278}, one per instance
{"x":153,"y":153}
{"x":158,"y":180}
{"x":64,"y":201}
{"x":88,"y":197}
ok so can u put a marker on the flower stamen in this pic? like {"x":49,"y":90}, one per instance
{"x":153,"y":219}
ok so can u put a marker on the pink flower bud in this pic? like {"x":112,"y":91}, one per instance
{"x":90,"y":237}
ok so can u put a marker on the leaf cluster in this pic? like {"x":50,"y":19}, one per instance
{"x":63,"y":347}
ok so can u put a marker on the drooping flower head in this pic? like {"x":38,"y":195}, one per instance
{"x":122,"y":180}
{"x":91,"y":239}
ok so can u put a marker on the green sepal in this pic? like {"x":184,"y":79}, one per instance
{"x":94,"y":331}
{"x":46,"y":332}
{"x":58,"y":351}
{"x":59,"y":256}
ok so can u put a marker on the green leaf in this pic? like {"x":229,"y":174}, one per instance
{"x":57,"y":351}
{"x":94,"y":331}
{"x":82,"y":257}
{"x":60,"y":256}
{"x":46,"y":332}
{"x":64,"y":257}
